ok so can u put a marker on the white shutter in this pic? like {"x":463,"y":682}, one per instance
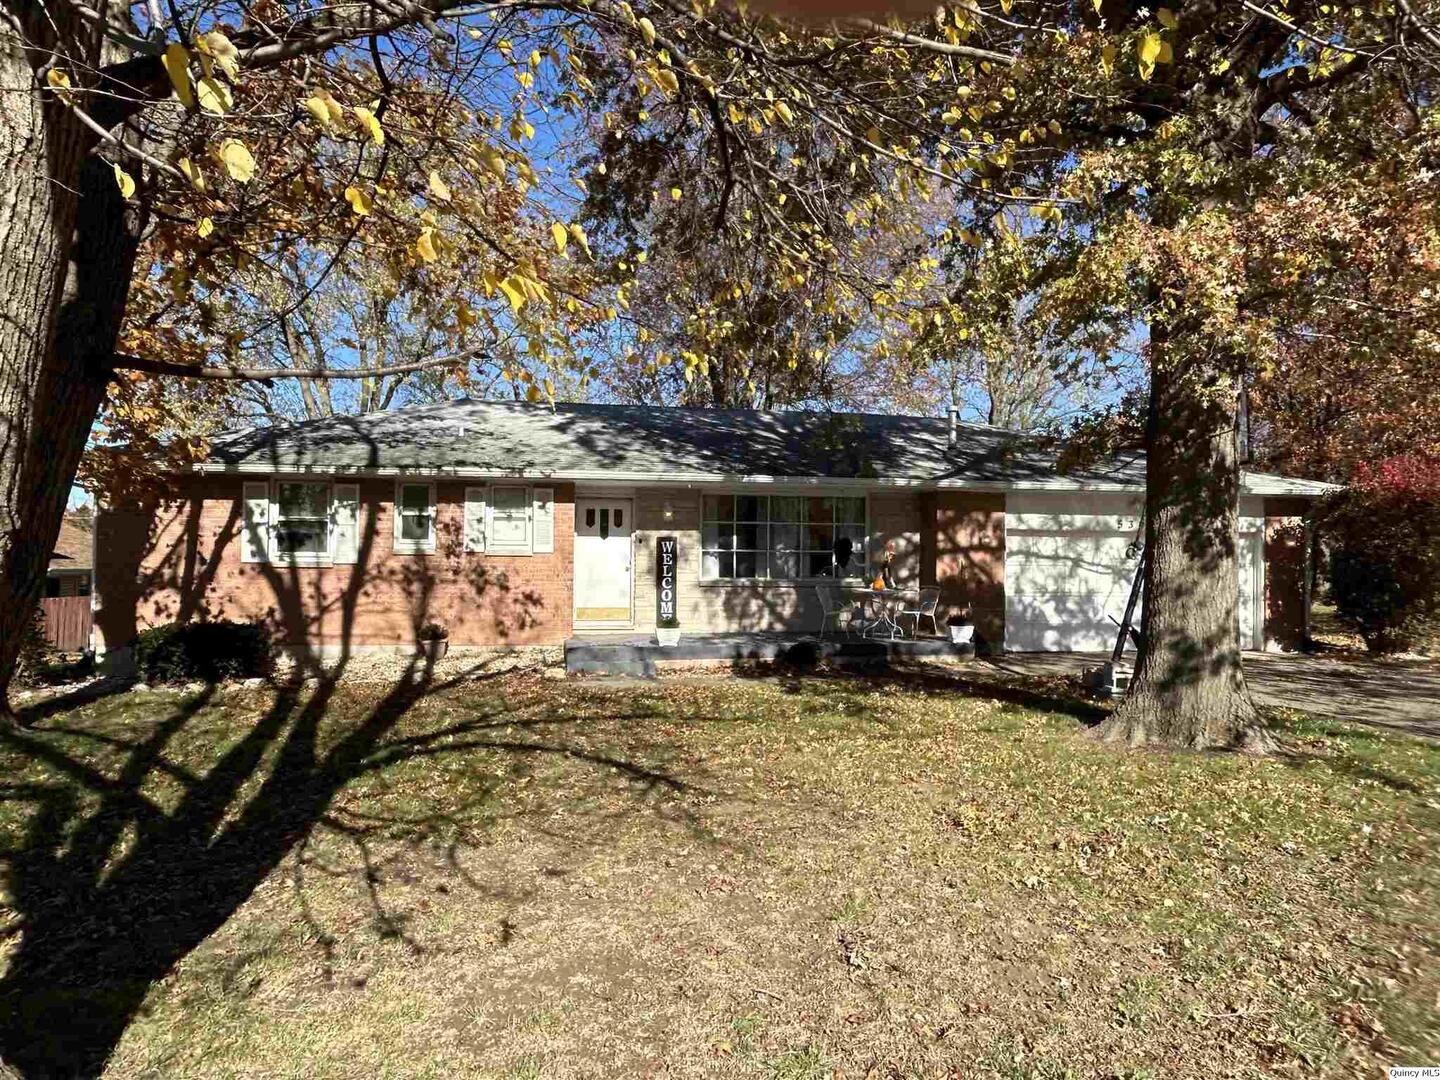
{"x":543,"y":530}
{"x":474,"y":519}
{"x":345,"y":530}
{"x":255,"y":544}
{"x":395,"y":516}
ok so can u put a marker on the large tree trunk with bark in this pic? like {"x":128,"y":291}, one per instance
{"x":1189,"y":687}
{"x":67,"y":249}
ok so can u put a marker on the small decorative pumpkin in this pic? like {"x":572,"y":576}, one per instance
{"x":879,"y":583}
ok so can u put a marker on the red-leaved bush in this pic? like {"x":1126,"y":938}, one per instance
{"x":1384,"y":532}
{"x":1410,"y":476}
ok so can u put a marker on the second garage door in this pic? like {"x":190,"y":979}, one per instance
{"x":1067,"y":572}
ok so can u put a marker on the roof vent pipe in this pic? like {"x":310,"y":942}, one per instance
{"x":954,"y":412}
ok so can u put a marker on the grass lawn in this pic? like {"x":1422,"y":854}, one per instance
{"x":523,"y":878}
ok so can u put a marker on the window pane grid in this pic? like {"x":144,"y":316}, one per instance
{"x":509,"y":517}
{"x":302,"y":525}
{"x":781,"y":537}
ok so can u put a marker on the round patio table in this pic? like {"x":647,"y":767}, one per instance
{"x":887,"y":603}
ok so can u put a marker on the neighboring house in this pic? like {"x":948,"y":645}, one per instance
{"x":69,"y":570}
{"x":519,"y":524}
{"x":68,"y":578}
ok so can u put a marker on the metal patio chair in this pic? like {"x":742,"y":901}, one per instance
{"x":830,"y":608}
{"x":925,"y":609}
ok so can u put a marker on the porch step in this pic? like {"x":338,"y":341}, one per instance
{"x":640,"y":655}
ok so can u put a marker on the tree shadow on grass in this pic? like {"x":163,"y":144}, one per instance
{"x":111,"y":890}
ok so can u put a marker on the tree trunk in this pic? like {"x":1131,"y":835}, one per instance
{"x":67,"y":248}
{"x":1189,"y":687}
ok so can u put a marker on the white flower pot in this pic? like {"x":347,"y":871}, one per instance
{"x":962,"y":635}
{"x":667,"y":635}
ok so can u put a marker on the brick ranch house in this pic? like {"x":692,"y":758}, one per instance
{"x":515,"y":524}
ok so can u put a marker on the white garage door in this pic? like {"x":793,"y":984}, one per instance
{"x":1067,"y":574}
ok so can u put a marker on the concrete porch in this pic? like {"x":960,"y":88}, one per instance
{"x":630,"y":653}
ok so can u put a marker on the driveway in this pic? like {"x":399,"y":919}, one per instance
{"x":1404,"y":695}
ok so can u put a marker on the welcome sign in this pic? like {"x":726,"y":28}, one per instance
{"x":667,"y":561}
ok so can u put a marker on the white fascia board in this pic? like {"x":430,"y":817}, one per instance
{"x":1251,"y":484}
{"x":616,"y":477}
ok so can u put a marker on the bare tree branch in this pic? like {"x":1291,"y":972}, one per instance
{"x":943,"y":47}
{"x":151,"y":366}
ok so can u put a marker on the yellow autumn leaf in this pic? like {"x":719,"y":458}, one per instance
{"x":214,"y":96}
{"x":1167,"y":18}
{"x":192,"y":173}
{"x":667,"y":80}
{"x":1167,"y":54}
{"x":1107,"y":58}
{"x":494,"y":161}
{"x":1098,"y":5}
{"x":235,"y":156}
{"x":317,"y":107}
{"x":532,"y":393}
{"x":675,"y":193}
{"x":222,"y":50}
{"x":360,"y":201}
{"x":205,"y":228}
{"x":558,"y":233}
{"x":1147,"y":50}
{"x":425,"y":245}
{"x":177,"y":66}
{"x":369,"y":122}
{"x":647,"y":31}
{"x":515,"y":295}
{"x":124,"y":181}
{"x":58,"y":79}
{"x":783,"y":111}
{"x":438,"y":187}
{"x":578,"y":235}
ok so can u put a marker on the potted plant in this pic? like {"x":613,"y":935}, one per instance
{"x":434,"y":640}
{"x":885,"y":572}
{"x":668,"y":633}
{"x":962,"y":630}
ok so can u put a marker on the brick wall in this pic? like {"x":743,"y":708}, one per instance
{"x":964,"y":553}
{"x":182,"y":562}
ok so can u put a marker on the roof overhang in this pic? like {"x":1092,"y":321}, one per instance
{"x":1254,"y":484}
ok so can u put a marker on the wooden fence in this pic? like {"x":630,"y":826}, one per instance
{"x":67,"y":622}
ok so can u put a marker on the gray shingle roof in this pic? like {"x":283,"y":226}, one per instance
{"x":648,"y":443}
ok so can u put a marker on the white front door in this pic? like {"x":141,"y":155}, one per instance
{"x":603,"y":560}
